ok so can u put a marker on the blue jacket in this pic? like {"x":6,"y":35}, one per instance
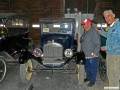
{"x":113,"y":38}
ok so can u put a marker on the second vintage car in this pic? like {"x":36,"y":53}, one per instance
{"x":14,"y":31}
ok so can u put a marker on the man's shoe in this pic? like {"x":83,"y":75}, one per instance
{"x":86,"y":80}
{"x":90,"y":84}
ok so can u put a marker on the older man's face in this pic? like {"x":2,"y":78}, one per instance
{"x":109,"y":18}
{"x":87,"y":26}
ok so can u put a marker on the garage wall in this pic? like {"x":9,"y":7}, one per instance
{"x":38,"y":8}
{"x":102,"y":5}
{"x":35,"y":9}
{"x":4,"y":6}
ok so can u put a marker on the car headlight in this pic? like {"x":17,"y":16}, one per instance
{"x":68,"y":53}
{"x":37,"y":52}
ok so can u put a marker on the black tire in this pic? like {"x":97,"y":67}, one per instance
{"x":3,"y":69}
{"x":102,"y":69}
{"x":26,"y":71}
{"x":29,"y":87}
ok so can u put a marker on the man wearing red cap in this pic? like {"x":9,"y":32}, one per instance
{"x":90,"y":44}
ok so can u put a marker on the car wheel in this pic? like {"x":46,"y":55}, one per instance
{"x":80,"y":73}
{"x":26,"y":71}
{"x":3,"y":69}
{"x":102,"y":69}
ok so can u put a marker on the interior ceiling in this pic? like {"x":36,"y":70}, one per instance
{"x":88,"y":6}
{"x":85,"y":6}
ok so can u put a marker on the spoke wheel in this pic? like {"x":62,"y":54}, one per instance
{"x":26,"y":71}
{"x":3,"y":69}
{"x":102,"y":70}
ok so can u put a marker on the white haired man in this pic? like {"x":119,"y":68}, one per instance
{"x":112,"y":48}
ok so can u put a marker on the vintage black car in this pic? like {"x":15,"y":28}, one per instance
{"x":57,"y":47}
{"x":57,"y":36}
{"x":14,"y":30}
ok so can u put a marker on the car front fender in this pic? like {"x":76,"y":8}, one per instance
{"x":24,"y":57}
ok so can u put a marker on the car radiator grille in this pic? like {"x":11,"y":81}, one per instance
{"x":53,"y":53}
{"x":16,"y":31}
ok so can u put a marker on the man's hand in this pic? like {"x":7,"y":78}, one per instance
{"x":93,"y":54}
{"x":103,"y":48}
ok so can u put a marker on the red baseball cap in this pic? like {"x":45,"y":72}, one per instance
{"x":86,"y":21}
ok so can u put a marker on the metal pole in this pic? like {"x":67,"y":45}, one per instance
{"x":87,"y":8}
{"x":9,"y":6}
{"x":119,"y":84}
{"x":63,"y":6}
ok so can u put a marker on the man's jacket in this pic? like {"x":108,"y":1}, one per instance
{"x":113,"y":38}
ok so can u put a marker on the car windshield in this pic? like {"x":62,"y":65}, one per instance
{"x":16,"y":22}
{"x":65,"y":28}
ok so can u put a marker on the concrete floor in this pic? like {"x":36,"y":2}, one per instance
{"x":45,"y":80}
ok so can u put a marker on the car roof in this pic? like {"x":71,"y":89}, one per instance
{"x":56,"y":19}
{"x":6,"y":15}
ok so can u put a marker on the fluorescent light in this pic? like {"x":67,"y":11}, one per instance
{"x":56,"y":25}
{"x":1,"y":25}
{"x":66,"y":26}
{"x":35,"y":25}
{"x":104,"y":24}
{"x":99,"y":25}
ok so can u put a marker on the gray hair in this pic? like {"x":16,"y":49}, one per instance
{"x":109,"y":11}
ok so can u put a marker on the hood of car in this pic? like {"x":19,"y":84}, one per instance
{"x":63,"y":39}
